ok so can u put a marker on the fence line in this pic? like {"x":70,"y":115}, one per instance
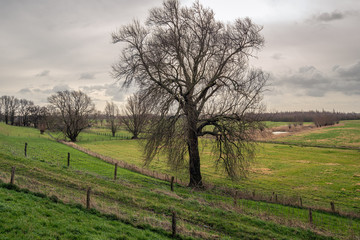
{"x":294,"y":201}
{"x":275,"y":213}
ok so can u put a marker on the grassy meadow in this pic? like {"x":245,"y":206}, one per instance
{"x":317,"y":175}
{"x":141,"y":202}
{"x":345,"y":134}
{"x":33,"y":216}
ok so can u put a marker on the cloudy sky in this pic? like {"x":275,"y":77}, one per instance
{"x":312,"y":49}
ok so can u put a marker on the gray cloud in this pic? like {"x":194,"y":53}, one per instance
{"x":114,"y":91}
{"x":351,"y":72}
{"x":309,"y":81}
{"x":327,"y":17}
{"x":94,"y":88}
{"x":331,"y":16}
{"x":277,"y":56}
{"x":116,"y":94}
{"x":43,"y":73}
{"x":61,"y":87}
{"x":25,"y":91}
{"x":87,"y":76}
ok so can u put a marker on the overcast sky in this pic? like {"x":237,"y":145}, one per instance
{"x":312,"y":49}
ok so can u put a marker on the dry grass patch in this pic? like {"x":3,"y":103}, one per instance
{"x":331,"y":164}
{"x":303,"y":161}
{"x":263,"y":171}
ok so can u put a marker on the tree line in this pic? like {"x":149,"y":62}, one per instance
{"x":21,"y":112}
{"x":319,"y":118}
{"x":72,"y":111}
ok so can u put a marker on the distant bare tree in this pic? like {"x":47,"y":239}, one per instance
{"x":53,"y":122}
{"x":195,"y":70}
{"x":112,"y":113}
{"x":136,"y":115}
{"x":6,"y":101}
{"x":1,"y":109}
{"x":24,"y":111}
{"x":96,"y":117}
{"x":74,"y":108}
{"x":13,"y":105}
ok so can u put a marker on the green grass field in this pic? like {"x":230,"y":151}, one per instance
{"x":26,"y":216}
{"x":270,"y":124}
{"x":347,"y":134}
{"x":144,"y":201}
{"x":315,"y":174}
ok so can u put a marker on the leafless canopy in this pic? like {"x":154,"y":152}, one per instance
{"x":195,"y":70}
{"x":136,"y":114}
{"x":112,"y":114}
{"x":74,"y":107}
{"x":10,"y":105}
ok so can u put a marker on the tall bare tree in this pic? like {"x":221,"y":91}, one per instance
{"x":24,"y":111}
{"x":112,"y":113}
{"x":6,"y":102}
{"x":136,"y":115}
{"x":74,"y":107}
{"x":196,"y":70}
{"x":13,"y":106}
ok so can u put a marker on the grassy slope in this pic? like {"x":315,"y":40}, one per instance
{"x":26,"y":216}
{"x":345,"y":134}
{"x":142,"y":200}
{"x":317,"y":175}
{"x":270,"y":124}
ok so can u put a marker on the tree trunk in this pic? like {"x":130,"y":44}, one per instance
{"x":194,"y":161}
{"x":193,"y":147}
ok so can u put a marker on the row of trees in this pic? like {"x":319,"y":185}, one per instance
{"x":319,"y":118}
{"x":72,"y":112}
{"x":21,"y":112}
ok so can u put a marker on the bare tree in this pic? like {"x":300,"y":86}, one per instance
{"x":196,"y":70}
{"x":112,"y":113}
{"x":136,"y":115}
{"x":74,"y":108}
{"x":1,"y":108}
{"x":12,"y":107}
{"x":24,"y":111}
{"x":6,"y":102}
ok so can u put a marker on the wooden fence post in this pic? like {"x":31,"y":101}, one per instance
{"x":115,"y":171}
{"x":332,"y":206}
{"x":235,"y":197}
{"x":300,"y":202}
{"x":310,"y":216}
{"x":12,"y":175}
{"x":88,"y":198}
{"x":172,"y":183}
{"x":68,"y":163}
{"x":253,"y":194}
{"x":173,"y":225}
{"x":25,"y":149}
